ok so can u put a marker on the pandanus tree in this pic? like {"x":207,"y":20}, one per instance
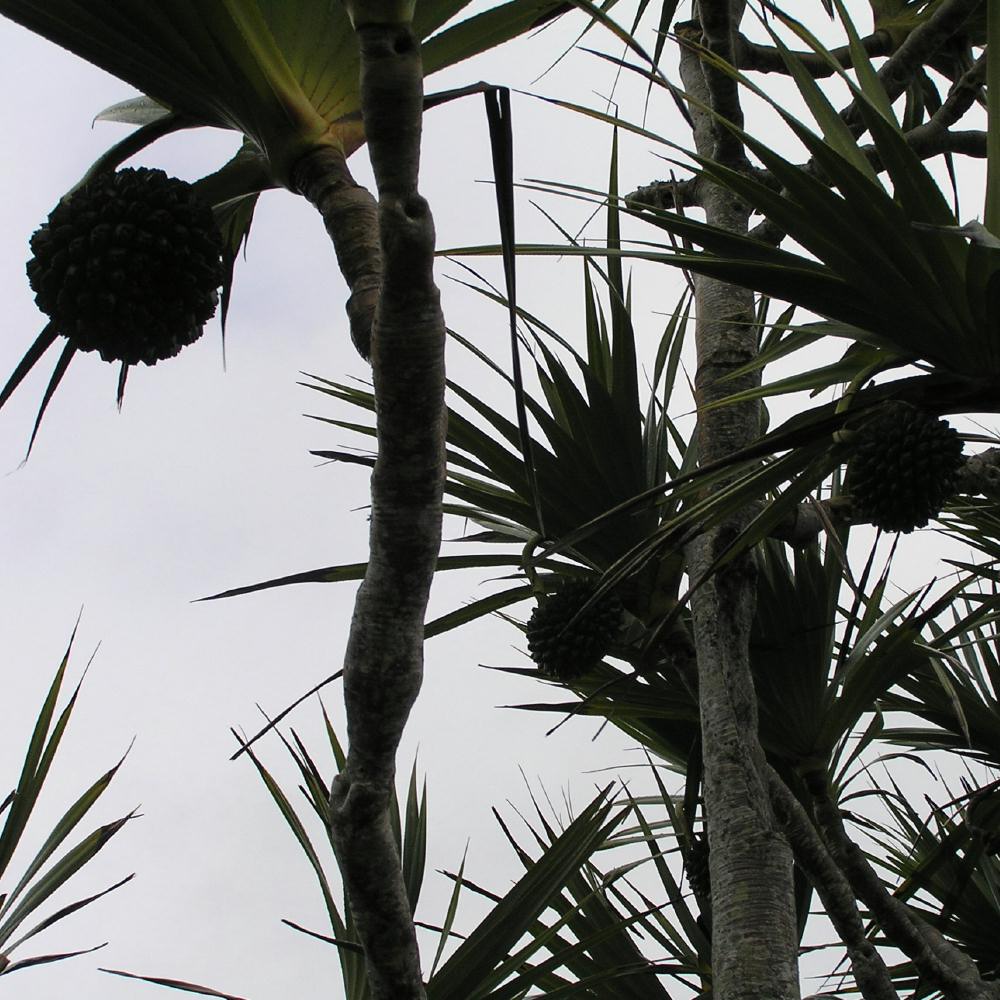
{"x":738,"y":673}
{"x":759,"y":675}
{"x":306,"y":84}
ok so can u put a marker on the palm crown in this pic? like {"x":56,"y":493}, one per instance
{"x":284,"y":75}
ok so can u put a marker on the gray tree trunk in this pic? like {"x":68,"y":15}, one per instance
{"x":754,"y":938}
{"x":387,"y":254}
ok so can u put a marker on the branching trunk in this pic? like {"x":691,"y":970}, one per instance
{"x":350,"y":215}
{"x":940,"y":963}
{"x":754,"y":939}
{"x":839,"y":900}
{"x":383,"y":666}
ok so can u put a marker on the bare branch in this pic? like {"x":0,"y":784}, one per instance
{"x":979,"y":475}
{"x":916,"y":50}
{"x":940,"y":963}
{"x":667,"y":195}
{"x":926,"y":145}
{"x":970,"y":142}
{"x":834,"y":890}
{"x":926,"y":142}
{"x":810,"y":520}
{"x":754,"y":57}
{"x":960,"y":98}
{"x":932,"y":138}
{"x":350,"y":215}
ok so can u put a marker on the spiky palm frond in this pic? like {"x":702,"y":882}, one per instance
{"x":54,"y":864}
{"x":519,"y":945}
{"x":956,"y":691}
{"x":285,"y":76}
{"x":594,"y":431}
{"x":945,"y":868}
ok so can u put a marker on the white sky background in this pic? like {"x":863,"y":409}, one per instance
{"x":204,"y":482}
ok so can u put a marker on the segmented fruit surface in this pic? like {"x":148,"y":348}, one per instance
{"x":698,"y":867}
{"x":904,"y":467}
{"x":129,"y":266}
{"x":566,"y":648}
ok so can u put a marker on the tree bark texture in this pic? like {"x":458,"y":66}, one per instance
{"x":754,"y":937}
{"x":383,"y":665}
{"x":350,"y":215}
{"x":841,"y":905}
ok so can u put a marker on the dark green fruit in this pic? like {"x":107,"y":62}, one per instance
{"x":564,"y":648}
{"x":129,"y":266}
{"x":698,"y":868}
{"x":904,"y":467}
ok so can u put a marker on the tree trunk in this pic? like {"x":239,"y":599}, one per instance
{"x":383,"y":666}
{"x":754,"y":937}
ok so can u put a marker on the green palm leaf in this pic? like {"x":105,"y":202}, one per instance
{"x":485,"y":963}
{"x":587,"y":438}
{"x":486,"y":957}
{"x":282,"y":72}
{"x":53,"y":864}
{"x":955,"y":689}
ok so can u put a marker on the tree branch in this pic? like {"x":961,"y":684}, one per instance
{"x":350,"y":215}
{"x":930,"y":139}
{"x":939,"y":962}
{"x":913,"y":54}
{"x":926,"y":144}
{"x":839,"y":901}
{"x":960,"y":98}
{"x":980,"y":474}
{"x":756,"y":58}
{"x":925,"y":140}
{"x":667,"y":195}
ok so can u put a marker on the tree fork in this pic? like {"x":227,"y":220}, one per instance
{"x":350,"y":215}
{"x":940,"y":963}
{"x":839,"y":901}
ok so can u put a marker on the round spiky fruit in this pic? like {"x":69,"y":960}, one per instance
{"x":128,"y":266}
{"x":566,"y":648}
{"x":904,"y":467}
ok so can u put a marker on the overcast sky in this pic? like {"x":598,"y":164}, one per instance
{"x":204,"y":482}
